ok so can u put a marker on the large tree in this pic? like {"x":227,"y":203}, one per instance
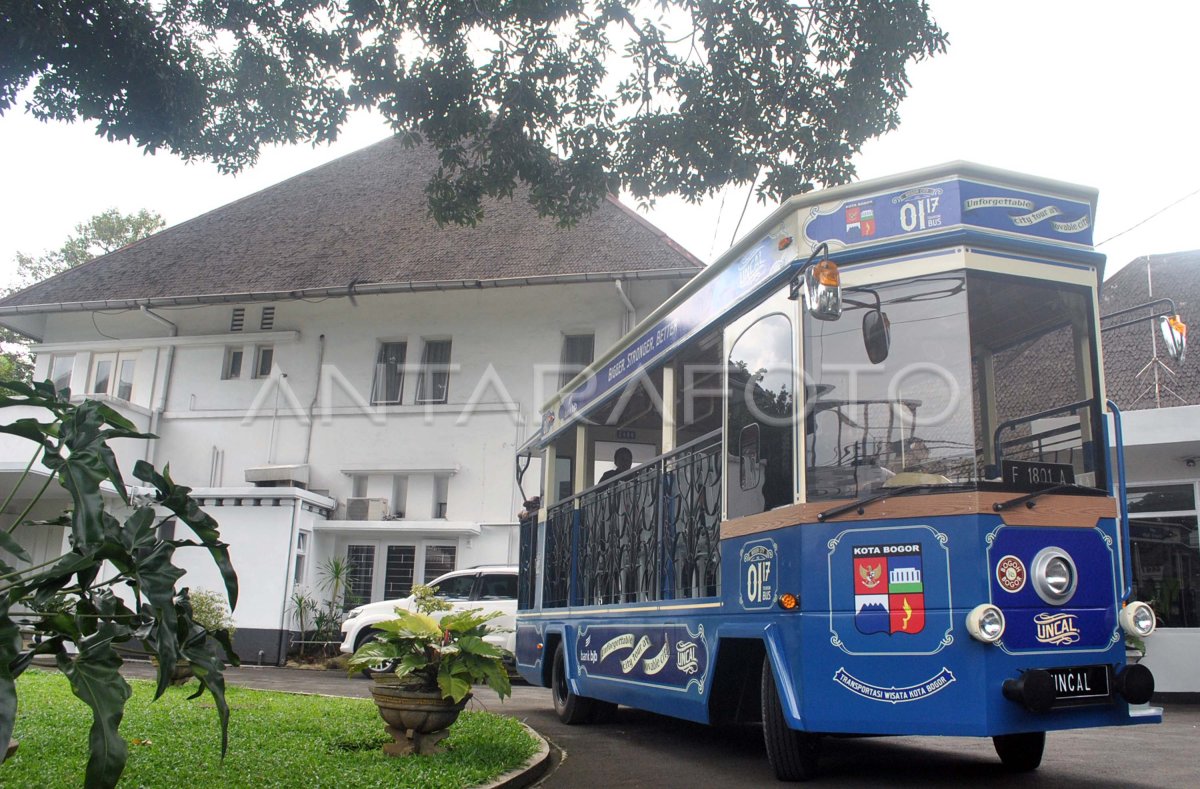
{"x":101,"y":234}
{"x":575,"y":98}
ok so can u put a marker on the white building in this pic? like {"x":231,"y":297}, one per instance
{"x":1161,"y":404}
{"x":337,"y":376}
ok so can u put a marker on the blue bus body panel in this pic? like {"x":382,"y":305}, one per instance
{"x":878,"y":644}
{"x":884,"y":648}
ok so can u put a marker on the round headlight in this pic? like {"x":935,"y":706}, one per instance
{"x":1137,"y":618}
{"x":986,"y":623}
{"x":1054,"y":575}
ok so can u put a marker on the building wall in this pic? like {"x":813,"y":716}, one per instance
{"x":314,"y":410}
{"x":1158,"y":445}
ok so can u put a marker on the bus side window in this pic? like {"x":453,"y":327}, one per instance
{"x":759,"y":414}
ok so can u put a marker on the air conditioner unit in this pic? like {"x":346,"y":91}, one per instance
{"x":361,"y":509}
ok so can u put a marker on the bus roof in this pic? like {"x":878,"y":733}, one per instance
{"x":865,"y":220}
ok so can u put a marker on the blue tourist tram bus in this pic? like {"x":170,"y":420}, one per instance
{"x":875,"y":494}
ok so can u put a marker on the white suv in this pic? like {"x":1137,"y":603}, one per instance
{"x":489,"y":588}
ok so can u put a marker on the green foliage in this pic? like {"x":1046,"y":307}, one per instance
{"x":211,"y":611}
{"x":575,"y":99}
{"x":284,"y":739}
{"x":319,"y":621}
{"x":73,"y":593}
{"x":103,"y":233}
{"x":99,"y":235}
{"x":449,"y":654}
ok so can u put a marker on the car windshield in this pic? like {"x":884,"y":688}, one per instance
{"x":986,"y":378}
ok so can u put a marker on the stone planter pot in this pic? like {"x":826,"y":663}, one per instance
{"x":417,"y":719}
{"x":181,"y":673}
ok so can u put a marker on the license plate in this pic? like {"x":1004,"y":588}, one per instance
{"x":1031,"y":475}
{"x":1081,"y":685}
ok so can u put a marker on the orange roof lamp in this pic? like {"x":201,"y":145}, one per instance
{"x":822,"y":285}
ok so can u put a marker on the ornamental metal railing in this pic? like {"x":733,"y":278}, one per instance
{"x":652,"y":533}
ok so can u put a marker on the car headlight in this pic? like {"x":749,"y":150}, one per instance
{"x":1054,"y":575}
{"x":986,"y":623}
{"x":353,"y":612}
{"x":1137,"y":618}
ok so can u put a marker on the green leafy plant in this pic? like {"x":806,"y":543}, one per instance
{"x":447,"y":654}
{"x":303,"y":608}
{"x":73,"y":594}
{"x":210,"y":611}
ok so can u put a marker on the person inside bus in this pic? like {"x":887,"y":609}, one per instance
{"x":623,"y":458}
{"x":529,"y":513}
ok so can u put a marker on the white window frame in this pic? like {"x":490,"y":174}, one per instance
{"x":300,"y":567}
{"x":378,"y":371}
{"x":116,"y":362}
{"x":227,"y":373}
{"x":568,"y":370}
{"x":109,"y":359}
{"x":66,"y":375}
{"x":430,"y":371}
{"x":259,"y":351}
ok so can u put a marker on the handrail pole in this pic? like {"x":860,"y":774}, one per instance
{"x":1124,"y":550}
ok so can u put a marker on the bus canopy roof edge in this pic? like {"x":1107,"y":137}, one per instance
{"x":869,"y":220}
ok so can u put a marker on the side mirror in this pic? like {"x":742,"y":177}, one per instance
{"x":877,"y":335}
{"x":1174,"y":334}
{"x":823,"y":291}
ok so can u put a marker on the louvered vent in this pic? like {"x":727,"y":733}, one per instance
{"x":268,"y":319}
{"x":238,"y":319}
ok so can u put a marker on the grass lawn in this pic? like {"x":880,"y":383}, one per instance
{"x":275,"y":739}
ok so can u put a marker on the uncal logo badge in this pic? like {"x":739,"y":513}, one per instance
{"x":889,"y":593}
{"x":1058,"y":630}
{"x":685,"y":657}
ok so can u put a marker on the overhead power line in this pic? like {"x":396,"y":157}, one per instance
{"x":1147,"y":219}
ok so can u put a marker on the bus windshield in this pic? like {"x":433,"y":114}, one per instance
{"x":988,"y":380}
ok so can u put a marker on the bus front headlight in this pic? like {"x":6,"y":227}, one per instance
{"x":1054,"y":575}
{"x":986,"y":623}
{"x":1137,"y":618}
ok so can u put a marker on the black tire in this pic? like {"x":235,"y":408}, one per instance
{"x":792,"y":754}
{"x":1020,"y":753}
{"x":386,"y":667}
{"x":572,"y":709}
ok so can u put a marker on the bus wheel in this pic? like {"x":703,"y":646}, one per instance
{"x":571,"y":709}
{"x":792,"y":754}
{"x":1020,"y":753}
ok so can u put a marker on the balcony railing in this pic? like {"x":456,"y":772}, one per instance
{"x":653,"y":533}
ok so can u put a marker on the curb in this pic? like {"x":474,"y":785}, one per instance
{"x":527,"y":773}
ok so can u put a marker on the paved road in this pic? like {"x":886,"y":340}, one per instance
{"x":639,"y":749}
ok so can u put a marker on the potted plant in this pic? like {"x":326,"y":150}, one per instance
{"x":437,"y":661}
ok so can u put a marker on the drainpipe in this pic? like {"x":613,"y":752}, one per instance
{"x":157,"y":410}
{"x":629,"y":320}
{"x":289,"y":563}
{"x":312,"y":407}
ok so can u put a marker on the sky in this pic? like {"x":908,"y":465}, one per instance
{"x":1097,"y":93}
